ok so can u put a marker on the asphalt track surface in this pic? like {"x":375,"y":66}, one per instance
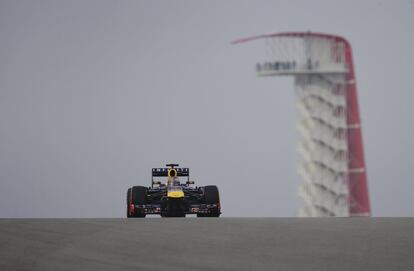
{"x":207,"y":244}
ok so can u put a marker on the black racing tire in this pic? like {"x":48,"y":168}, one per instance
{"x":128,"y":199}
{"x":211,"y":196}
{"x":139,"y":196}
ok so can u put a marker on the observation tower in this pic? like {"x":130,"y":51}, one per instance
{"x":332,"y":165}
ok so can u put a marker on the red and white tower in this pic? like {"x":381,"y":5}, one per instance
{"x":332,"y":166}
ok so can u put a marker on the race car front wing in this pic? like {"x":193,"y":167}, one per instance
{"x":154,"y":209}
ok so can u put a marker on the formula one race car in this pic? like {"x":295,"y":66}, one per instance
{"x":173,"y":198}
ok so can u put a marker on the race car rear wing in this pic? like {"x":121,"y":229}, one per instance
{"x":172,"y":170}
{"x":163,"y":172}
{"x":166,"y":172}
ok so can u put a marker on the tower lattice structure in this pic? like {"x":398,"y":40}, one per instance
{"x":332,"y":165}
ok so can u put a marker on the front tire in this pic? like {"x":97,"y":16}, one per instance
{"x":211,"y":196}
{"x":137,"y":195}
{"x":128,"y":202}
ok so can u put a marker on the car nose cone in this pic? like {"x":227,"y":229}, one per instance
{"x":175,"y":194}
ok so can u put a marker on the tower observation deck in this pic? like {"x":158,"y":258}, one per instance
{"x":332,"y":166}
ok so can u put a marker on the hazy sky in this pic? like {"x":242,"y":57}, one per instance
{"x":93,"y":94}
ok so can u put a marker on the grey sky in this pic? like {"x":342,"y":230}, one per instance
{"x":93,"y":94}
